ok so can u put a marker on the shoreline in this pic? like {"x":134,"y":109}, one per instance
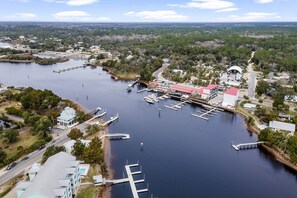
{"x":107,"y":151}
{"x":273,"y":152}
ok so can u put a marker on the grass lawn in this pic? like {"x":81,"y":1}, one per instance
{"x":86,"y":192}
{"x":25,"y":140}
{"x":127,"y":76}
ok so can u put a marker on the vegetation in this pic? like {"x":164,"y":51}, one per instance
{"x":281,"y":140}
{"x":75,"y":134}
{"x":28,"y":58}
{"x":50,"y":151}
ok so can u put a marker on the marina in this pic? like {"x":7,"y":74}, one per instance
{"x":170,"y":141}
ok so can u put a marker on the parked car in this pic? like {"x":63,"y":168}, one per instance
{"x":41,"y":147}
{"x":10,"y":166}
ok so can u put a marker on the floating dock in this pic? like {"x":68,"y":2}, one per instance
{"x":207,"y":113}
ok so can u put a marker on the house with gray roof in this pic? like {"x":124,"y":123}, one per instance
{"x":67,"y":117}
{"x":283,"y":126}
{"x":59,"y":177}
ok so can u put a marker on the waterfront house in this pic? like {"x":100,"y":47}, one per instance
{"x":282,"y":126}
{"x":59,"y":177}
{"x":230,"y":97}
{"x":67,"y":117}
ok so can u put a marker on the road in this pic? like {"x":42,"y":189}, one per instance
{"x":158,"y":73}
{"x":35,"y":156}
{"x":251,"y":78}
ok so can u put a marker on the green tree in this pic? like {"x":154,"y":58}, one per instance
{"x":3,"y":156}
{"x":11,"y":135}
{"x":75,"y":134}
{"x":50,"y":151}
{"x":278,"y":103}
{"x":78,"y":148}
{"x":262,"y":87}
{"x":93,"y":153}
{"x":42,"y":126}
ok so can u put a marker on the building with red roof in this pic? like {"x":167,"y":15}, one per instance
{"x":230,"y":97}
{"x":210,"y":91}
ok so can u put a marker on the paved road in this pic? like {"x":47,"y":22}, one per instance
{"x":251,"y":78}
{"x":34,"y":157}
{"x":158,"y":73}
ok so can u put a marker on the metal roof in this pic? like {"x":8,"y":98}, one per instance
{"x":48,"y":180}
{"x":282,"y":126}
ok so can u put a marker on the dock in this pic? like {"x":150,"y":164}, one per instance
{"x":142,"y":90}
{"x":251,"y":145}
{"x":116,"y":136}
{"x":132,"y":182}
{"x":129,"y":179}
{"x":69,"y":68}
{"x":112,"y":119}
{"x":132,"y":84}
{"x":177,"y":106}
{"x":207,"y":113}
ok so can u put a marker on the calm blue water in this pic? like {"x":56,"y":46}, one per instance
{"x":182,"y":156}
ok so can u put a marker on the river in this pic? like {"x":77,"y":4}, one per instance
{"x":182,"y":156}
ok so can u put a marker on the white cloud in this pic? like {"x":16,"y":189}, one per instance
{"x":227,"y":9}
{"x":158,"y":15}
{"x":263,"y":1}
{"x":207,"y":4}
{"x":252,"y":16}
{"x":22,"y":1}
{"x":78,"y":16}
{"x":73,"y":2}
{"x":20,"y":16}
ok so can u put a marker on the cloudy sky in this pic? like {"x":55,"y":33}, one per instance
{"x":149,"y":10}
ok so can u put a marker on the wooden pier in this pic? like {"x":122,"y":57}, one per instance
{"x":69,"y":68}
{"x":251,"y":145}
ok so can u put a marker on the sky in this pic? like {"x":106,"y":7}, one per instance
{"x":149,"y":10}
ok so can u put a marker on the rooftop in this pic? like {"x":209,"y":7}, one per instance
{"x":232,"y":91}
{"x":67,"y":114}
{"x":282,"y":126}
{"x":48,"y":180}
{"x":211,"y":86}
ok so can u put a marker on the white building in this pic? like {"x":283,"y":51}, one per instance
{"x":69,"y":145}
{"x":249,"y":106}
{"x":230,"y":97}
{"x":283,"y":126}
{"x":59,"y":177}
{"x":67,"y":117}
{"x":210,"y":92}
